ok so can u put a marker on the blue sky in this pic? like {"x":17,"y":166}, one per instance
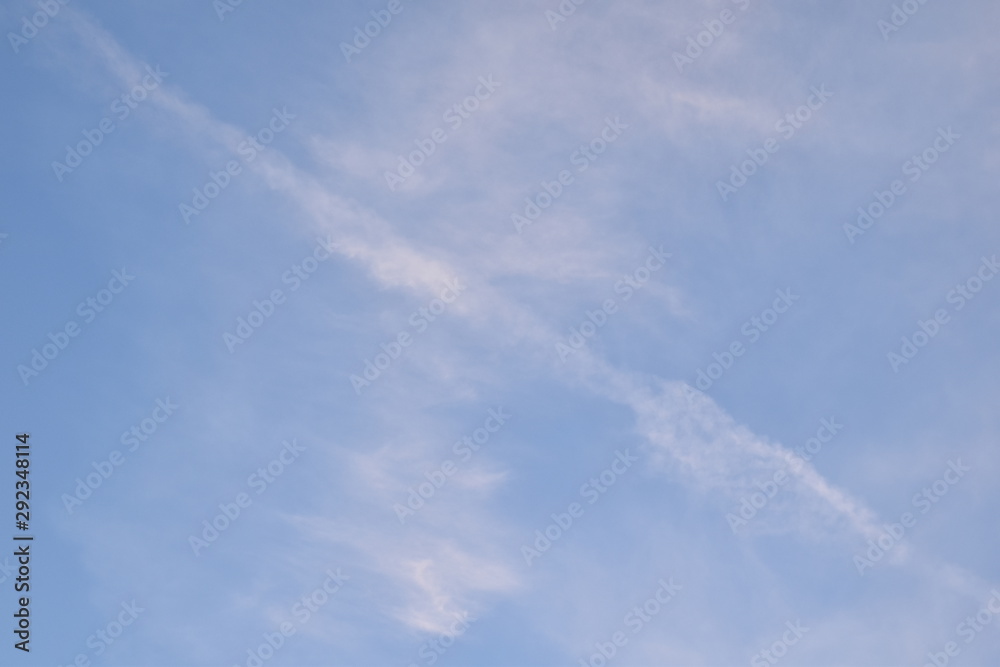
{"x":483,"y":337}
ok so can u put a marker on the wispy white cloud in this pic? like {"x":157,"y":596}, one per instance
{"x":456,"y":555}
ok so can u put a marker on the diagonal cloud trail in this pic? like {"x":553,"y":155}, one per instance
{"x":692,"y":433}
